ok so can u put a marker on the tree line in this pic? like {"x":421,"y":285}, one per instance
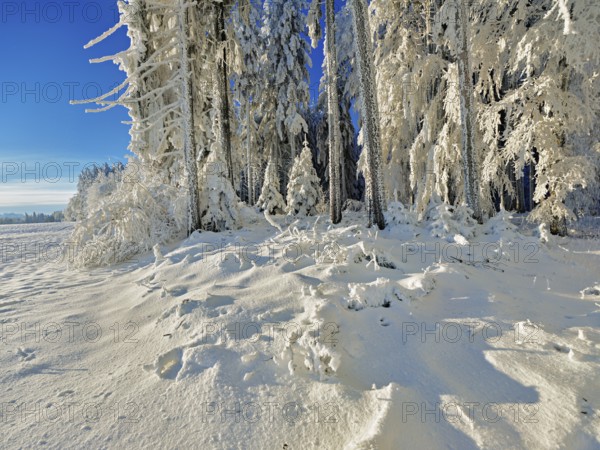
{"x":494,"y":105}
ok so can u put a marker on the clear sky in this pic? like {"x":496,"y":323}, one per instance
{"x":44,"y":140}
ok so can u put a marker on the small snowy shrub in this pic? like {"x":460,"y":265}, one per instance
{"x":447,"y":221}
{"x":397,"y":214}
{"x":500,"y":225}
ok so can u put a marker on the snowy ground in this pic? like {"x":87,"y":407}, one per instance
{"x":314,"y":337}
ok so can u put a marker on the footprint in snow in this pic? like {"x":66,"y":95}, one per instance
{"x":167,"y":365}
{"x":187,"y":306}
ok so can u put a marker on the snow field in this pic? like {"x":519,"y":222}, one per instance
{"x":312,"y":337}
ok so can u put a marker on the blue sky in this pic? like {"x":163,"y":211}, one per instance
{"x":44,"y":140}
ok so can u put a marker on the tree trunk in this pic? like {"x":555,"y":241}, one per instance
{"x":249,"y":176}
{"x":187,"y":107}
{"x":222,"y":94}
{"x":521,"y":203}
{"x":467,"y":114}
{"x":335,"y":205}
{"x":370,"y":114}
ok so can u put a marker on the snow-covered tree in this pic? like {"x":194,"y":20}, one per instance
{"x":348,"y":88}
{"x":247,"y":80}
{"x":529,"y":78}
{"x":333,"y":102}
{"x":285,"y":90}
{"x":222,"y":87}
{"x":370,"y":109}
{"x":137,"y":213}
{"x":333,"y":108}
{"x":93,"y":181}
{"x":169,"y":69}
{"x":304,"y":188}
{"x":556,"y":104}
{"x":270,"y":199}
{"x":470,"y":154}
{"x":161,"y":91}
{"x":222,"y":212}
{"x":418,"y":79}
{"x":187,"y":113}
{"x":409,"y":81}
{"x":313,"y":22}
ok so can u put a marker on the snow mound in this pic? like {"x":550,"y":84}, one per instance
{"x":379,"y":293}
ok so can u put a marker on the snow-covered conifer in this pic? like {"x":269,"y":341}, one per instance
{"x":270,"y":199}
{"x":286,"y":80}
{"x":248,"y":79}
{"x":222,"y":100}
{"x":304,"y":188}
{"x":218,"y":194}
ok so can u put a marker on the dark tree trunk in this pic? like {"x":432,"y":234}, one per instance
{"x":222,"y":93}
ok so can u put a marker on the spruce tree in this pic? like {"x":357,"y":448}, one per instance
{"x":270,"y":199}
{"x":304,"y":188}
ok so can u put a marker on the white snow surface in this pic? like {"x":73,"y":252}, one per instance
{"x":313,"y":337}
